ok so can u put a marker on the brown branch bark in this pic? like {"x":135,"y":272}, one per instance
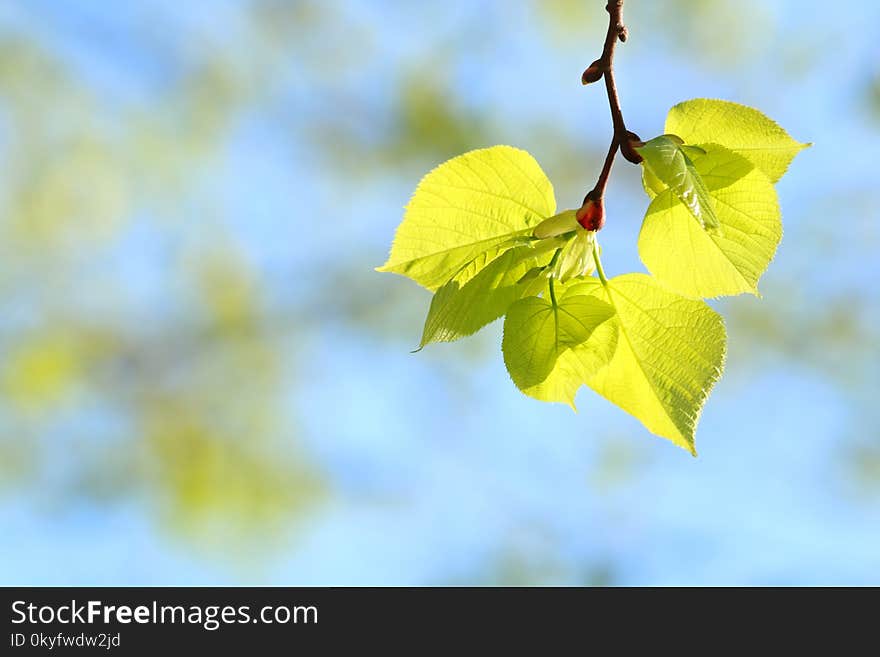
{"x":621,"y":139}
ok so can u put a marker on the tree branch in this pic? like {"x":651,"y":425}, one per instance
{"x":616,"y":30}
{"x":622,"y":139}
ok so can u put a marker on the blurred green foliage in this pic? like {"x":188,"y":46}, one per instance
{"x":195,"y":387}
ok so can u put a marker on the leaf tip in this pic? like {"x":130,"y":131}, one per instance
{"x":682,"y":440}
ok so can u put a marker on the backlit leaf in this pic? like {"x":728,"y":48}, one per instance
{"x":742,"y":129}
{"x":665,"y":158}
{"x":670,"y":351}
{"x":471,"y":204}
{"x":537,"y":333}
{"x":700,"y":263}
{"x":575,"y":366}
{"x":461,"y":308}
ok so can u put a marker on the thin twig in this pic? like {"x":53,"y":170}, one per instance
{"x":616,"y":28}
{"x":599,"y":190}
{"x":605,"y":65}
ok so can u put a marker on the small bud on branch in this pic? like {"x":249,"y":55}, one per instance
{"x":628,"y":146}
{"x":594,"y":72}
{"x":591,"y":216}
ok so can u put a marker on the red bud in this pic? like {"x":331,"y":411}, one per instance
{"x":591,"y":216}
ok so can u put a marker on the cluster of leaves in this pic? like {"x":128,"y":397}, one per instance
{"x":482,"y":233}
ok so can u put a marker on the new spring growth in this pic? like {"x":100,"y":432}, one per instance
{"x":591,"y":216}
{"x":629,"y":146}
{"x":593,"y":73}
{"x":558,"y":224}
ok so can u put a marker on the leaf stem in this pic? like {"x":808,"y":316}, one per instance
{"x":598,"y":261}
{"x":552,"y":286}
{"x":555,"y":313}
{"x":550,"y":268}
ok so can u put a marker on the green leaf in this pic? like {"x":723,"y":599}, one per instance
{"x":576,"y":365}
{"x":576,"y":258}
{"x":670,"y":351}
{"x":538,"y":332}
{"x":665,"y":158}
{"x":472,"y":204}
{"x":742,"y":129}
{"x":558,"y":224}
{"x":464,"y":305}
{"x":697,"y":263}
{"x":652,"y":184}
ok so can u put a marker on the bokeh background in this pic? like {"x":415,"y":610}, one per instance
{"x":203,"y":381}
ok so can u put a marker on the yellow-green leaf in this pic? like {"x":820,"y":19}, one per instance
{"x":577,"y":364}
{"x":469,"y":205}
{"x":699,"y":263}
{"x":670,"y":351}
{"x":465,"y":304}
{"x":652,"y":184}
{"x":742,"y":129}
{"x":558,"y":224}
{"x":537,"y":334}
{"x":665,"y":158}
{"x":576,"y":258}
